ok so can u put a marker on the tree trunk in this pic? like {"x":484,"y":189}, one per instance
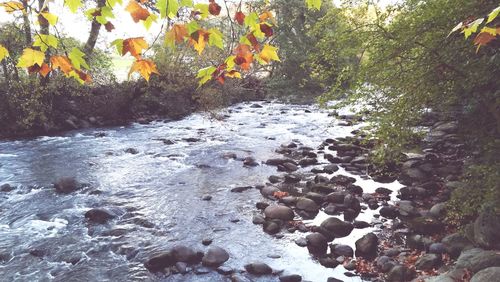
{"x":94,"y":32}
{"x":26,"y":25}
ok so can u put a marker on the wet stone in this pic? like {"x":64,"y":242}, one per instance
{"x":258,"y":268}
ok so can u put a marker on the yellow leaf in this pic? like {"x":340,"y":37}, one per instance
{"x":12,"y":6}
{"x":51,"y":18}
{"x":3,"y":52}
{"x":268,"y":54}
{"x":134,"y":46}
{"x":144,"y":67}
{"x":31,"y":57}
{"x":62,"y":63}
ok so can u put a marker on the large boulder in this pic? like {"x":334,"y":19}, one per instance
{"x":487,"y":230}
{"x":367,"y":246}
{"x":426,"y":225}
{"x":215,"y":257}
{"x":478,"y":259}
{"x":185,"y":254}
{"x":400,"y":273}
{"x":279,"y":212}
{"x":337,"y":227}
{"x":487,"y":274}
{"x":455,"y":243}
{"x":307,"y":205}
{"x":428,"y":262}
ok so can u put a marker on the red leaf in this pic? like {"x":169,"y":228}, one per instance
{"x":240,"y":17}
{"x":109,"y":26}
{"x":266,"y":29}
{"x":214,"y":8}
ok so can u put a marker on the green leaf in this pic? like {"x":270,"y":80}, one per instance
{"x":76,"y":57}
{"x":51,"y":18}
{"x":251,"y":19}
{"x":118,"y":43}
{"x":150,"y":20}
{"x":202,"y":9}
{"x":172,"y":8}
{"x":187,"y":3}
{"x":161,"y":5}
{"x":205,"y":75}
{"x":472,"y":27}
{"x":215,"y":38}
{"x":73,"y":5}
{"x":313,"y":4}
{"x":112,"y":3}
{"x":192,"y":27}
{"x":230,"y":62}
{"x":44,"y":41}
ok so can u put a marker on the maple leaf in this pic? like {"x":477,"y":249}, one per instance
{"x":50,"y":18}
{"x":63,"y":63}
{"x":44,"y":70}
{"x":12,"y":6}
{"x":205,"y":75}
{"x":483,"y":38}
{"x":31,"y":57}
{"x":144,"y":67}
{"x":137,"y":12}
{"x":134,"y":46}
{"x":73,"y":5}
{"x":239,"y":17}
{"x":267,"y":15}
{"x":268,"y":54}
{"x":244,"y":56}
{"x":214,"y":8}
{"x":199,"y":40}
{"x":176,"y":35}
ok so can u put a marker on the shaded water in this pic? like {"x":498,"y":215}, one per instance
{"x":156,"y":195}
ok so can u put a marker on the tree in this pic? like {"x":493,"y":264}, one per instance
{"x":254,"y":45}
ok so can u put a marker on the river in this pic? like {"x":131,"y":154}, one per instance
{"x":156,"y":195}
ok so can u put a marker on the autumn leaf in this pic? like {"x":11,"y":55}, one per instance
{"x":134,"y":46}
{"x":12,"y":6}
{"x":144,"y":67}
{"x":44,"y":41}
{"x":61,"y":62}
{"x":253,"y":40}
{"x":109,"y":26}
{"x":205,"y":75}
{"x":239,"y":17}
{"x":51,"y":18}
{"x":44,"y":70}
{"x":266,"y":29}
{"x":244,"y":56}
{"x":4,"y":53}
{"x":77,"y":60}
{"x":199,"y":40}
{"x":214,"y":8}
{"x":81,"y":76}
{"x":267,"y":15}
{"x":176,"y":34}
{"x":268,"y":54}
{"x":137,"y":12}
{"x":73,"y":5}
{"x":483,"y":38}
{"x":215,"y":38}
{"x":31,"y":57}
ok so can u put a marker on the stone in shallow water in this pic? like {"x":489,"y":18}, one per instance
{"x":317,"y":244}
{"x":258,"y":268}
{"x":215,"y":257}
{"x":98,"y":216}
{"x":367,"y":246}
{"x":279,"y":212}
{"x":337,"y":227}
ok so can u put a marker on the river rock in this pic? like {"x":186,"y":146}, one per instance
{"x":337,"y":227}
{"x":98,"y":216}
{"x":342,"y":250}
{"x":389,"y":212}
{"x":65,"y":185}
{"x":455,"y":243}
{"x":258,"y":268}
{"x":336,"y":197}
{"x":400,"y":273}
{"x":383,"y":191}
{"x":367,"y":246}
{"x":342,"y":180}
{"x":249,"y":161}
{"x":271,"y":227}
{"x":258,"y":219}
{"x":437,"y":248}
{"x":268,"y":191}
{"x":6,"y":188}
{"x":274,"y":179}
{"x":215,"y":257}
{"x":290,"y":278}
{"x":438,"y":210}
{"x":331,"y":168}
{"x":185,"y":254}
{"x":487,"y":230}
{"x":488,"y":274}
{"x":307,"y":205}
{"x":317,"y":244}
{"x":426,"y":225}
{"x":478,"y":259}
{"x":307,"y":162}
{"x":159,"y":262}
{"x":292,"y":178}
{"x":279,"y":212}
{"x":428,"y":262}
{"x":276,"y":162}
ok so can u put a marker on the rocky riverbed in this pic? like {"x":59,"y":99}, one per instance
{"x":268,"y":192}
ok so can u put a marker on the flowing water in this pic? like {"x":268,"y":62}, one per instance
{"x":156,"y":195}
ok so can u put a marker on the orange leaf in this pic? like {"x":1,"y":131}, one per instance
{"x":178,"y":32}
{"x":83,"y":76}
{"x":61,"y":62}
{"x":144,"y":67}
{"x":134,"y":46}
{"x":484,"y":38}
{"x":137,"y":12}
{"x":240,"y":17}
{"x":44,"y":70}
{"x":244,"y":56}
